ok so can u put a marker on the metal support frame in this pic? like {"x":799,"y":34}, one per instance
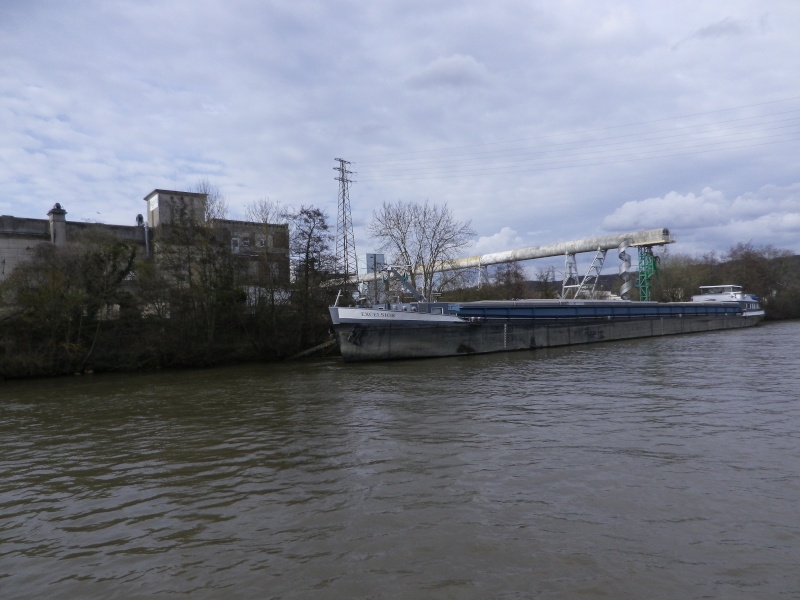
{"x":593,"y":274}
{"x":587,"y":285}
{"x":648,"y":268}
{"x":400,"y":273}
{"x":483,"y":276}
{"x":570,"y":280}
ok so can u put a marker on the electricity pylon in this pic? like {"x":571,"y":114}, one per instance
{"x":346,"y":259}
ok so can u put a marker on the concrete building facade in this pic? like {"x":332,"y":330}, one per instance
{"x":19,"y":235}
{"x":263,"y":245}
{"x":165,"y":206}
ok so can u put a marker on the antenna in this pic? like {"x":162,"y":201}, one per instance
{"x":346,"y":259}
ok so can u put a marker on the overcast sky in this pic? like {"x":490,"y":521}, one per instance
{"x":538,"y":121}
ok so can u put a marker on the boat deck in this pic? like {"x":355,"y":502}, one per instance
{"x":544,"y":310}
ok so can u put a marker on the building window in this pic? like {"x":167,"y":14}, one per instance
{"x":246,"y":242}
{"x":235,"y":245}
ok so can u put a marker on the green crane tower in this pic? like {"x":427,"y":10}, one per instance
{"x":648,"y":267}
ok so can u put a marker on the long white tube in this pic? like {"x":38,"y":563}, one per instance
{"x":649,"y":237}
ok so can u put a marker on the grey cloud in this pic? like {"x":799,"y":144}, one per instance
{"x":456,"y":71}
{"x":725,"y":28}
{"x":768,"y":215}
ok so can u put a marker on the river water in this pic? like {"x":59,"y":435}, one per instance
{"x":659,"y":468}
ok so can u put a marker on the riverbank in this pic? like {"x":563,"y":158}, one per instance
{"x":141,"y":345}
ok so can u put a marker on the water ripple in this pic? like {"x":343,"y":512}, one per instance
{"x":659,"y":468}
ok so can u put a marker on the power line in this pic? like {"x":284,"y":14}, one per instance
{"x":582,"y":153}
{"x":673,"y":132}
{"x":588,"y":131}
{"x":598,"y":161}
{"x":601,"y":146}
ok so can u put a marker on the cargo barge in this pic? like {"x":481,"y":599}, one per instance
{"x":437,"y":329}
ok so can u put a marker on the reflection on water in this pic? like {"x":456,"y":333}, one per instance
{"x":663,"y":468}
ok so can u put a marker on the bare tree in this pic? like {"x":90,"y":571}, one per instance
{"x":509,"y":279}
{"x":64,"y":295}
{"x":424,"y":237}
{"x":761,"y":270}
{"x":272,"y":219}
{"x":545,"y":277}
{"x":216,"y":206}
{"x":680,"y":275}
{"x":265,"y":211}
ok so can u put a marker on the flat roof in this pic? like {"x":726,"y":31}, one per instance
{"x":174,"y":193}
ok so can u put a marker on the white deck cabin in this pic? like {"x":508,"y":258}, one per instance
{"x":722,"y":293}
{"x":730,"y":293}
{"x":719,"y":293}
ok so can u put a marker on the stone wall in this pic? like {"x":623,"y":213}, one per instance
{"x":128,"y":233}
{"x":18,"y":238}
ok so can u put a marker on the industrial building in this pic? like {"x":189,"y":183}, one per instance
{"x":262,"y":245}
